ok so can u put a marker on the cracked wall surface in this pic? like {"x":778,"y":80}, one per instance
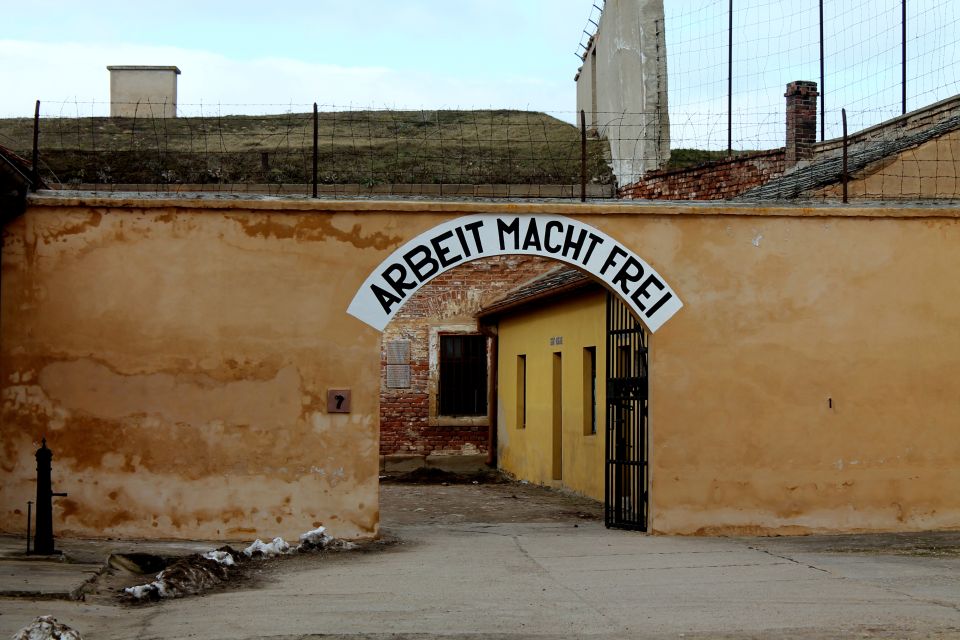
{"x":176,"y":354}
{"x":177,"y":361}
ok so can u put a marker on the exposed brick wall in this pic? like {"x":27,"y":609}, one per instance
{"x":451,"y":298}
{"x":801,"y":121}
{"x":711,"y":181}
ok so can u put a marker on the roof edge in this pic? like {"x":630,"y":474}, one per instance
{"x":716,"y":208}
{"x":142,"y":67}
{"x":498,"y":308}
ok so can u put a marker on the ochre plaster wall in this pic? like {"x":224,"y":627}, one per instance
{"x":177,"y":353}
{"x":178,"y":360}
{"x":810,"y":383}
{"x":526,"y":451}
{"x":927,"y":171}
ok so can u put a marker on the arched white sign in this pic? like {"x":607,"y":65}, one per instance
{"x":471,"y":237}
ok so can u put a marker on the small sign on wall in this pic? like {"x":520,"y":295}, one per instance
{"x":556,"y":341}
{"x":338,"y":400}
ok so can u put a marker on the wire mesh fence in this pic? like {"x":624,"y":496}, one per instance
{"x":877,"y":59}
{"x":728,"y":62}
{"x":471,"y":153}
{"x":377,"y":150}
{"x":910,"y":158}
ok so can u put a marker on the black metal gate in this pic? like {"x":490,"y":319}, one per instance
{"x":627,"y":478}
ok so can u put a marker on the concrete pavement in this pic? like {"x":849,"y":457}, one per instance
{"x":510,"y":580}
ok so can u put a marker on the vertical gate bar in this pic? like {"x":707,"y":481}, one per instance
{"x":608,"y":421}
{"x":638,"y":426}
{"x":628,"y":449}
{"x":615,"y":480}
{"x":646,"y":431}
{"x":615,"y":408}
{"x":628,"y":430}
{"x":628,"y":318}
{"x":622,"y":429}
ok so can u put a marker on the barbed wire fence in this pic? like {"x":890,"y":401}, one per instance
{"x":728,"y":62}
{"x":877,"y":59}
{"x":509,"y":153}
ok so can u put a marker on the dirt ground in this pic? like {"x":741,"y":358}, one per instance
{"x":448,"y":499}
{"x":486,"y":502}
{"x":422,"y":500}
{"x":418,"y":584}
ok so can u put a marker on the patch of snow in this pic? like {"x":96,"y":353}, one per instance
{"x":316,"y":537}
{"x":187,"y":577}
{"x":319,"y":539}
{"x":268,"y":549}
{"x":144,"y":591}
{"x":221,"y":557}
{"x":47,"y":628}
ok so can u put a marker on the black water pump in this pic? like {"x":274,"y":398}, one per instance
{"x":43,"y":542}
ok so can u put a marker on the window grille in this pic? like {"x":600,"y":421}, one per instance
{"x":463,"y":375}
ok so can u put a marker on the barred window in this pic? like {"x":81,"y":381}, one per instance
{"x":463,"y":375}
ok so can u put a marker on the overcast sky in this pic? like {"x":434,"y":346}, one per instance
{"x":240,"y":56}
{"x":360,"y":53}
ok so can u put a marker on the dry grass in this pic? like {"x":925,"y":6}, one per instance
{"x":360,"y":147}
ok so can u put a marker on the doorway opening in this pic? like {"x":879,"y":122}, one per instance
{"x":627,"y":473}
{"x":557,"y":416}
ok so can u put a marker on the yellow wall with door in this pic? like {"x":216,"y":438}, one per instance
{"x":527,"y":451}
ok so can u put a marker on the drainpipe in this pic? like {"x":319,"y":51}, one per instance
{"x":490,"y":332}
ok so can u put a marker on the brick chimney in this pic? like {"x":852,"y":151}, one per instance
{"x":801,"y":98}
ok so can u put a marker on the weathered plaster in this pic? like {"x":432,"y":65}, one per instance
{"x":162,"y":344}
{"x":622,"y":86}
{"x":143,"y":91}
{"x":178,"y":364}
{"x":927,"y":171}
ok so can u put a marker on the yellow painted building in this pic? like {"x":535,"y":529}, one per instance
{"x":572,"y":392}
{"x":551,"y":390}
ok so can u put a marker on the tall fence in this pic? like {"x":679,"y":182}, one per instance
{"x":728,"y":62}
{"x":468,"y":154}
{"x":350,"y":152}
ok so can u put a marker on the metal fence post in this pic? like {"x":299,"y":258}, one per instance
{"x":35,"y":177}
{"x":823,"y":101}
{"x":315,"y":152}
{"x":843,"y":175}
{"x":903,"y":53}
{"x":730,"y":82}
{"x":583,"y":156}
